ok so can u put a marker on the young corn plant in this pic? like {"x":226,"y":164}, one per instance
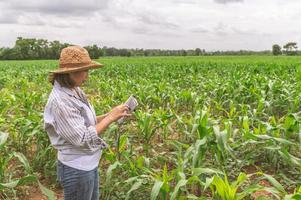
{"x":223,"y":189}
{"x":147,"y":124}
{"x":164,"y":119}
{"x":7,"y":183}
{"x":162,"y":183}
{"x":181,"y":171}
{"x":109,"y":185}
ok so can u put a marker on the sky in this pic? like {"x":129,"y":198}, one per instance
{"x":154,"y":24}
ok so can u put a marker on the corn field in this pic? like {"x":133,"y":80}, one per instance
{"x":206,"y":128}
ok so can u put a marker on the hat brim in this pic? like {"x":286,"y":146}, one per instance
{"x":66,"y":70}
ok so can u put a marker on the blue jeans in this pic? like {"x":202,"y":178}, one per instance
{"x":78,"y":184}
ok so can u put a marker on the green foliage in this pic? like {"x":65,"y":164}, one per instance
{"x":276,"y":50}
{"x":290,"y":48}
{"x":7,"y":183}
{"x":201,"y":124}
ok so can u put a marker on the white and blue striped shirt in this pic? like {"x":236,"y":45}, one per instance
{"x":70,"y":122}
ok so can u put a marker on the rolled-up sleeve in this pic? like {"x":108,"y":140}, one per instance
{"x":70,"y":125}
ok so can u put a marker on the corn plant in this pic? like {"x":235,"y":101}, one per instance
{"x":198,"y":116}
{"x":223,"y":189}
{"x":11,"y":183}
{"x":147,"y":124}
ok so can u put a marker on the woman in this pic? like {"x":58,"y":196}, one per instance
{"x":73,"y":127}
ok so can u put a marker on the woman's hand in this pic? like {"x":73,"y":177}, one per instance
{"x":115,"y":114}
{"x":118,"y":112}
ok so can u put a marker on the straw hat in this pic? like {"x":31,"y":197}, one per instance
{"x":74,"y":59}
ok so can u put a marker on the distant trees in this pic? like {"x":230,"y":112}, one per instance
{"x":94,"y":51}
{"x":198,"y":51}
{"x":276,"y":50}
{"x":8,"y":54}
{"x":31,"y":48}
{"x":290,"y":48}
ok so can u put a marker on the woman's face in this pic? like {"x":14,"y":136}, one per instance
{"x":79,"y":77}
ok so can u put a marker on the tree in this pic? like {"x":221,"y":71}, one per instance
{"x":42,"y":47}
{"x":276,"y":49}
{"x":9,"y":54}
{"x":54,"y":49}
{"x":290,"y":48}
{"x":146,"y":53}
{"x":110,"y":51}
{"x":93,"y":51}
{"x":124,"y":52}
{"x":198,"y":51}
{"x":183,"y":52}
{"x":23,"y":47}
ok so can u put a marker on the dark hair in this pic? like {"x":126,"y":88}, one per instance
{"x":63,"y":79}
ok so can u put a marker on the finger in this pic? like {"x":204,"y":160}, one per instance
{"x":120,"y":108}
{"x":126,"y":115}
{"x":125,"y":108}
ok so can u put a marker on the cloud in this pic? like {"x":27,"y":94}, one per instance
{"x":184,"y":1}
{"x":221,"y":29}
{"x":200,"y":30}
{"x":162,"y":34}
{"x":58,"y":7}
{"x":55,"y":13}
{"x":149,"y":19}
{"x":253,"y":24}
{"x":31,"y":20}
{"x":227,"y":1}
{"x":8,"y":17}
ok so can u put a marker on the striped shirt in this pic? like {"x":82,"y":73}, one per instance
{"x":70,"y":120}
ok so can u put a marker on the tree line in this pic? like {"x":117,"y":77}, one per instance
{"x":289,"y":49}
{"x":33,"y":49}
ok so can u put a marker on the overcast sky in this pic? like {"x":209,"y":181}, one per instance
{"x":165,"y":24}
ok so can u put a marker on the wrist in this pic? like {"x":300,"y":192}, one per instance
{"x":102,"y":126}
{"x":109,"y":118}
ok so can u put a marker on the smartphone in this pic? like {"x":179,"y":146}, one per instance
{"x":131,"y":103}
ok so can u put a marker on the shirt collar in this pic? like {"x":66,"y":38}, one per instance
{"x":68,"y":91}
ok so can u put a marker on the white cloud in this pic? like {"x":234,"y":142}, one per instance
{"x":227,"y":1}
{"x":174,"y":24}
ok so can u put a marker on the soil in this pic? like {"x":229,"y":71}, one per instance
{"x":36,"y":194}
{"x":250,"y":169}
{"x":263,"y":193}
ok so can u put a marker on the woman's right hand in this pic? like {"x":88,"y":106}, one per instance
{"x":118,"y":112}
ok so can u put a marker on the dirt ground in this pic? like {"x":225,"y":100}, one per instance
{"x":36,"y":194}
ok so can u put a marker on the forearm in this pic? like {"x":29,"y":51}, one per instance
{"x":101,"y":117}
{"x":103,"y":124}
{"x":115,"y":114}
